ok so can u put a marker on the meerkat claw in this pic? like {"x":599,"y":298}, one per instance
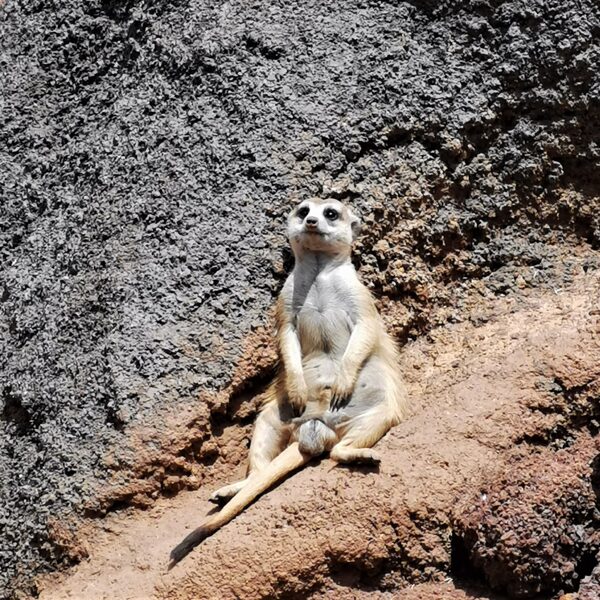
{"x":339,"y":402}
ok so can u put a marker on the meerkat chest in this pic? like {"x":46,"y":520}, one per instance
{"x":326,"y":316}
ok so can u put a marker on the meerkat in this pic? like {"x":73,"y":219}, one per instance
{"x":338,"y":387}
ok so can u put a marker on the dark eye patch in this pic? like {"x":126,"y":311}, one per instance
{"x":331,"y":214}
{"x":303,"y":211}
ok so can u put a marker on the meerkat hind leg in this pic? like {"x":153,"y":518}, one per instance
{"x":362,"y":432}
{"x":269,"y":438}
{"x":367,"y":417}
{"x":347,"y":454}
{"x":225,"y":493}
{"x":355,"y":445}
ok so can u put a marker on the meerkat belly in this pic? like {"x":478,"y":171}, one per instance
{"x":319,"y":374}
{"x":326,"y":331}
{"x":319,"y":369}
{"x":324,"y":336}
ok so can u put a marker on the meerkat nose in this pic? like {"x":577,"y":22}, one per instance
{"x":311,"y":221}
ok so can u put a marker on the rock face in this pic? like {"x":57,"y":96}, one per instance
{"x":149,"y":153}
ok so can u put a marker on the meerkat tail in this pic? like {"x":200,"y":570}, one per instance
{"x":289,"y":460}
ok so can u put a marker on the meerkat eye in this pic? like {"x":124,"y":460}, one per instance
{"x":331,"y":214}
{"x":303,"y":211}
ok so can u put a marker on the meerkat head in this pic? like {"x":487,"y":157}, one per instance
{"x":322,"y":226}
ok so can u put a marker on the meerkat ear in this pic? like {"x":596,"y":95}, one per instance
{"x":355,"y":224}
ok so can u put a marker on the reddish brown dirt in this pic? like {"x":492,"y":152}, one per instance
{"x":483,"y":394}
{"x":191,"y":444}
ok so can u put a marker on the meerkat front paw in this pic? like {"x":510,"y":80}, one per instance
{"x":341,"y":390}
{"x":297,"y":394}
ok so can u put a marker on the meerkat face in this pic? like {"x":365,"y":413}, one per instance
{"x":322,"y":226}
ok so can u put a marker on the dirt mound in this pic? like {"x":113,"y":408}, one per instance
{"x":485,"y":456}
{"x":535,"y":528}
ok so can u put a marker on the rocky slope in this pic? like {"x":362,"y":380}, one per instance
{"x":150,"y":151}
{"x":492,"y":481}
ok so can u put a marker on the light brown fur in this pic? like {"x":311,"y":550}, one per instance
{"x":338,"y":388}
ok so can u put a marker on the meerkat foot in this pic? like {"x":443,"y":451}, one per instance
{"x":364,"y":456}
{"x":226,"y":493}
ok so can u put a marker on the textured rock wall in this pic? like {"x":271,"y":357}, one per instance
{"x":150,"y":150}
